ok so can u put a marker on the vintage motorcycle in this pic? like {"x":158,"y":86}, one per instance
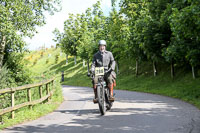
{"x":103,"y":92}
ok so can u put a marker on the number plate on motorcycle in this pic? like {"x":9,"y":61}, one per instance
{"x":99,"y":71}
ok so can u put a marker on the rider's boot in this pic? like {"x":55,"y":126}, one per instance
{"x":110,"y":86}
{"x":95,"y":100}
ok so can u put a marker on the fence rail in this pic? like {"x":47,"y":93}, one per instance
{"x":49,"y":85}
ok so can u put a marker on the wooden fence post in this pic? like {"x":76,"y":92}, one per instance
{"x":13,"y":103}
{"x":47,"y":87}
{"x":52,"y":84}
{"x":40,"y":90}
{"x":29,"y":97}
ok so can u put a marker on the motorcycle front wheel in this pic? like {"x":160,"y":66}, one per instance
{"x":108,"y":103}
{"x":101,"y":99}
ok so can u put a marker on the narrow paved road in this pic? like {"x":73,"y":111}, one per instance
{"x":132,"y":112}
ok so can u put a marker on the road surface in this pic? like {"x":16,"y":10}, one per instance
{"x":132,"y":112}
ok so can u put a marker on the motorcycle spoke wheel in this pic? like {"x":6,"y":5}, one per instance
{"x":108,"y":103}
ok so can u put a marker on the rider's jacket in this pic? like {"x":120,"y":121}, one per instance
{"x":103,"y":59}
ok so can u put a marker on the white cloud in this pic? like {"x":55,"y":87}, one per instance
{"x":45,"y":35}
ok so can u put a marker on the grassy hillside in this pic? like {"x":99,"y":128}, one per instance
{"x":43,"y":62}
{"x":41,"y":70}
{"x":183,"y":86}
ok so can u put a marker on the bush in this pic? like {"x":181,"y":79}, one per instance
{"x":5,"y":78}
{"x":5,"y":82}
{"x":17,"y":69}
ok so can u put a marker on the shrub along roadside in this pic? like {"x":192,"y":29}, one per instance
{"x":5,"y":78}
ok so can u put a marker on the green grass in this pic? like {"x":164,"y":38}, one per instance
{"x":186,"y":89}
{"x":183,"y":86}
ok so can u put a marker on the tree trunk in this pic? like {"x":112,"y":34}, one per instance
{"x":66,"y":59}
{"x":88,"y":67}
{"x":136,"y":67}
{"x":193,"y":73}
{"x":83,"y":63}
{"x":172,"y":70}
{"x":74,"y":60}
{"x":2,"y":49}
{"x":154,"y":68}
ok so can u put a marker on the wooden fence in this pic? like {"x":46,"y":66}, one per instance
{"x":47,"y":84}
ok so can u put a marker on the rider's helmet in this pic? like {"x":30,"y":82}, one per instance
{"x":102,"y":42}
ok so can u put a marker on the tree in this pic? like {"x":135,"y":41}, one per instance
{"x":21,"y":17}
{"x":134,"y":12}
{"x":86,"y":42}
{"x":118,"y":33}
{"x":82,"y":32}
{"x":71,"y":35}
{"x":186,"y":34}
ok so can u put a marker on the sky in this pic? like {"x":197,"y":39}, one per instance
{"x":44,"y":36}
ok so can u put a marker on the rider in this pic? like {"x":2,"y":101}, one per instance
{"x":104,"y":59}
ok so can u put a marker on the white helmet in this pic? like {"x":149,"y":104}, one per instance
{"x":102,"y":42}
